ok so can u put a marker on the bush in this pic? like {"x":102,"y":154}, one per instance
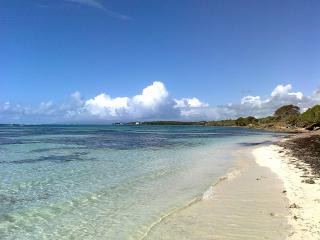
{"x":294,"y":121}
{"x":311,"y":116}
{"x":241,"y":121}
{"x":267,"y":120}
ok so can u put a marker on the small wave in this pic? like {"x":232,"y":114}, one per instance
{"x":207,"y":195}
{"x":155,"y":223}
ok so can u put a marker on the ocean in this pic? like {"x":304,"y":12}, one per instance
{"x":107,"y":182}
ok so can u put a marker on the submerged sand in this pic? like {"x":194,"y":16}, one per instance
{"x":248,"y":203}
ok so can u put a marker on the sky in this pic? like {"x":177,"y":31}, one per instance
{"x":105,"y":61}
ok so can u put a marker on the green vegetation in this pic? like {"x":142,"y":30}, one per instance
{"x":246,"y":121}
{"x":267,"y":120}
{"x":286,"y":118}
{"x":228,"y":122}
{"x":287,"y":111}
{"x":311,"y":116}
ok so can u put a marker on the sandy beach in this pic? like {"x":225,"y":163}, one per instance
{"x":301,"y":187}
{"x":247,"y":203}
{"x":266,"y":195}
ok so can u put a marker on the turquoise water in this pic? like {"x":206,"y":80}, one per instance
{"x":106,"y":182}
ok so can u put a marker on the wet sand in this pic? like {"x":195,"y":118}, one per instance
{"x":248,"y":203}
{"x":296,"y":174}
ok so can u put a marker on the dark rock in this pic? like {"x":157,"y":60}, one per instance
{"x":313,"y":127}
{"x":294,"y":206}
{"x":306,"y":149}
{"x":310,"y":181}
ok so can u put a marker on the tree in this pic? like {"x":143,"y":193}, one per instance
{"x":286,"y":111}
{"x":312,"y":115}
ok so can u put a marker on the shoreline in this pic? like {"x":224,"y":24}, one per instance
{"x":245,"y":203}
{"x":264,"y":195}
{"x":301,"y":185}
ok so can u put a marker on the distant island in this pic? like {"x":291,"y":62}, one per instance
{"x":286,"y":118}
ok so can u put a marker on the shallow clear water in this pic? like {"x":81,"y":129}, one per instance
{"x":106,"y":182}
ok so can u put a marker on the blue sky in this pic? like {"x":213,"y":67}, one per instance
{"x":218,"y":52}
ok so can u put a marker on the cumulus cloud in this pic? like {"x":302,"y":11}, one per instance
{"x":11,"y":109}
{"x":281,"y":95}
{"x":154,"y":100}
{"x":103,"y":105}
{"x":152,"y":95}
{"x":248,"y":106}
{"x":189,"y":103}
{"x":153,"y":103}
{"x":191,"y":107}
{"x":251,"y":100}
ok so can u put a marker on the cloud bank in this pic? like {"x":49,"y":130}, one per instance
{"x":153,"y":103}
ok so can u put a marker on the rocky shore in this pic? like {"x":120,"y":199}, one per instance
{"x":305,"y":148}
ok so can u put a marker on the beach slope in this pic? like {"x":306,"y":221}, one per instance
{"x":295,"y":161}
{"x":247,"y":203}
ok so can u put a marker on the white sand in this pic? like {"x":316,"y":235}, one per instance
{"x":246,"y":204}
{"x":305,"y":220}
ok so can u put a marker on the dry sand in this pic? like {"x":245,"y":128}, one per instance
{"x":304,"y":198}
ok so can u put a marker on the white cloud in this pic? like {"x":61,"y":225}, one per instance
{"x":316,"y":95}
{"x":103,"y":105}
{"x":77,"y":98}
{"x":281,"y":95}
{"x":153,"y":103}
{"x":249,"y":105}
{"x":96,"y":4}
{"x":90,"y":3}
{"x":189,"y":103}
{"x":283,"y":92}
{"x":193,"y":108}
{"x":151,"y":96}
{"x":5,"y":106}
{"x":149,"y":102}
{"x":251,"y":100}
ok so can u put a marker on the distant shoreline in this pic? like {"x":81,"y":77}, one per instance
{"x":287,"y":118}
{"x":279,"y":128}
